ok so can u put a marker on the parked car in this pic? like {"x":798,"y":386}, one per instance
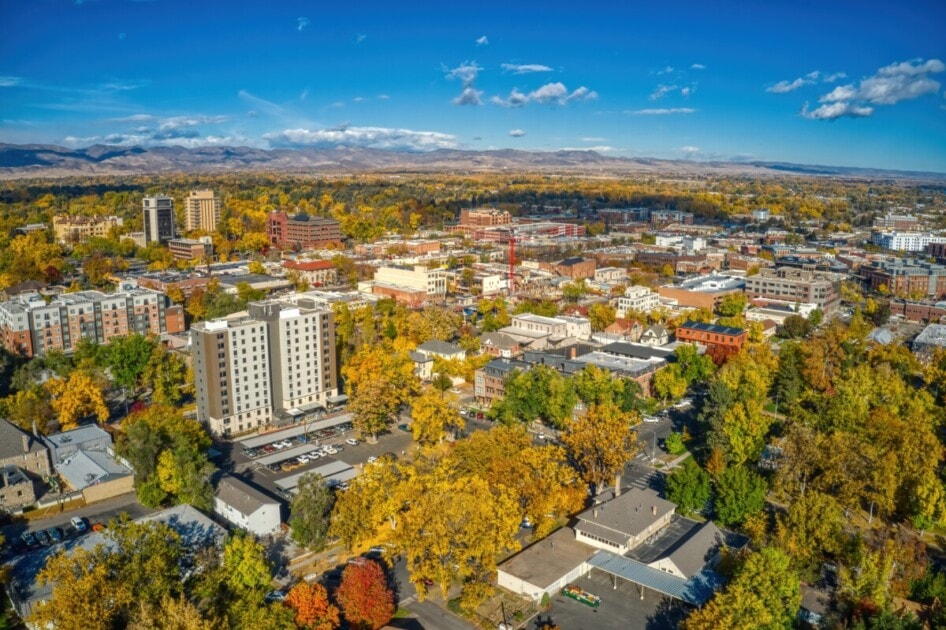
{"x":80,"y":524}
{"x":29,"y":539}
{"x":303,"y":459}
{"x":372,"y":459}
{"x":651,"y":419}
{"x":278,"y":446}
{"x":55,"y":534}
{"x":275,"y":596}
{"x":314,"y":454}
{"x":42,"y":538}
{"x":352,"y":441}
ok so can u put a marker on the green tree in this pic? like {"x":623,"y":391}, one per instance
{"x":689,"y":487}
{"x":127,"y":358}
{"x":310,"y":512}
{"x":247,"y":573}
{"x":739,"y":493}
{"x":811,"y":527}
{"x":669,"y":383}
{"x":732,"y":305}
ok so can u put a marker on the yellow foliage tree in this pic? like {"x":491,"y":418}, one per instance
{"x":601,"y":442}
{"x":77,"y":397}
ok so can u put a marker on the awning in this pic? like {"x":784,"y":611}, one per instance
{"x":696,"y":591}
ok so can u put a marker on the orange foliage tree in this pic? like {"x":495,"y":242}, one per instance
{"x":364,"y":596}
{"x":312,"y":607}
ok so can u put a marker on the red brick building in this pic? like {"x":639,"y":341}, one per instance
{"x":302,"y":231}
{"x":576,"y":268}
{"x":720,"y":342}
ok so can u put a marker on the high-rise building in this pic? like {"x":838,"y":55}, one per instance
{"x":201,"y":211}
{"x":158,"y":219}
{"x":255,"y":366}
{"x":31,"y":327}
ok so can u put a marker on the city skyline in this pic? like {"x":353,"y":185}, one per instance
{"x":845,"y":84}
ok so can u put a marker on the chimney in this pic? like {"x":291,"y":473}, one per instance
{"x":653,"y":510}
{"x":573,"y":352}
{"x":26,"y":443}
{"x":35,"y":432}
{"x":595,"y":512}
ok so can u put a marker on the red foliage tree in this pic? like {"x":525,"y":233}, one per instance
{"x":312,"y":607}
{"x":364,"y":596}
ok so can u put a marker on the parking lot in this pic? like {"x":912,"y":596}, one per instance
{"x":621,"y":608}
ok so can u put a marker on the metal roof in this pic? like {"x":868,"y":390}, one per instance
{"x":696,"y":591}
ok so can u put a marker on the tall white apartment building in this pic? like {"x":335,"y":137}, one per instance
{"x":201,"y":211}
{"x":906,"y":241}
{"x":639,"y":299}
{"x":252,"y":367}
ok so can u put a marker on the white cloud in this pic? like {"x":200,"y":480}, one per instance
{"x":593,"y":139}
{"x":383,"y":97}
{"x":831,"y":78}
{"x":813,"y":76}
{"x":783,"y":87}
{"x":524,"y":68}
{"x":667,"y":70}
{"x":902,"y":81}
{"x":549,"y":94}
{"x":689,"y":151}
{"x":685,"y":92}
{"x":367,"y":137}
{"x":833,"y":111}
{"x":662,"y":91}
{"x":359,"y":99}
{"x":302,"y":23}
{"x":469,"y":96}
{"x":517,"y":133}
{"x":465,"y":72}
{"x":660,"y":112}
{"x":697,"y":66}
{"x":360,"y":37}
{"x":482,"y":41}
{"x":134,"y":118}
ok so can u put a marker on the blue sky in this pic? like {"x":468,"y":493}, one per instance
{"x":826,"y":82}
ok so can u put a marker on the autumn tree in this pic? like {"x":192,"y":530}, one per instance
{"x":364,"y":596}
{"x":166,"y":374}
{"x":601,"y":442}
{"x":764,"y":595}
{"x":171,"y":613}
{"x":541,"y":393}
{"x":669,"y":383}
{"x":312,"y":607}
{"x":375,"y":498}
{"x":378,"y":380}
{"x":310,"y":511}
{"x":601,"y":315}
{"x":76,"y":397}
{"x":811,"y":527}
{"x":432,"y":416}
{"x":732,"y":304}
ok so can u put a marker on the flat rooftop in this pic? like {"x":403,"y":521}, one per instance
{"x":549,"y":559}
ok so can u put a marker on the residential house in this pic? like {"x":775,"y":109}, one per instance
{"x":489,"y":381}
{"x":442,"y":349}
{"x":655,"y":335}
{"x":627,"y":329}
{"x":423,"y":365}
{"x":637,"y":299}
{"x":27,"y":452}
{"x":499,"y":344}
{"x":246,"y":507}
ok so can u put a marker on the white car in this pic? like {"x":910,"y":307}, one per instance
{"x":651,"y":419}
{"x":278,"y":446}
{"x":352,"y":441}
{"x":314,"y":455}
{"x":372,"y":459}
{"x":303,"y":459}
{"x":331,"y":450}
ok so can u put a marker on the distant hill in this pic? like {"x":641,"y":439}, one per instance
{"x":38,"y":160}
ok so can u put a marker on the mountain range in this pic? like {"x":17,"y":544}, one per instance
{"x":38,"y":160}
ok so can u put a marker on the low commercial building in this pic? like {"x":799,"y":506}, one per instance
{"x":70,"y":230}
{"x":720,"y":341}
{"x":245,"y":507}
{"x":433,"y":282}
{"x":703,"y":292}
{"x":191,"y":249}
{"x":317,"y":273}
{"x":796,"y":285}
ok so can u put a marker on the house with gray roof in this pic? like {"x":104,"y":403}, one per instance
{"x":442,"y":349}
{"x":21,"y":449}
{"x":245,"y":507}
